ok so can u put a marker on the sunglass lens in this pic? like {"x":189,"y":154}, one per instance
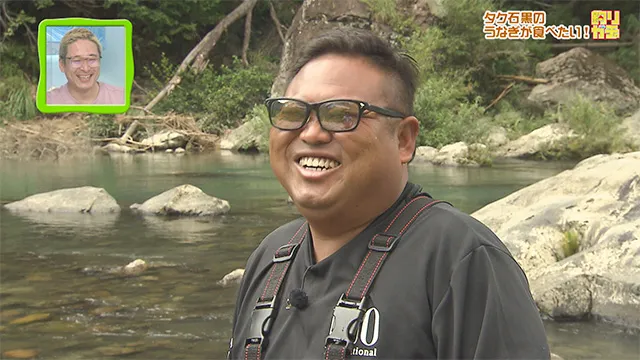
{"x":339,"y":115}
{"x":287,"y":114}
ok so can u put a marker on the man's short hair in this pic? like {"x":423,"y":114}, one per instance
{"x":352,"y":41}
{"x":74,"y":35}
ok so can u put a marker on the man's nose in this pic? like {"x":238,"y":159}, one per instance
{"x":85,"y":65}
{"x":313,"y":133}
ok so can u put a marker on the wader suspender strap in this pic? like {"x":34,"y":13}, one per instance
{"x":348,"y":313}
{"x":265,"y":310}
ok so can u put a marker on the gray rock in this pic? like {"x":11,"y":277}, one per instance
{"x":497,"y":137}
{"x":246,"y":136}
{"x":86,"y":199}
{"x":232,"y":278}
{"x":631,"y":126}
{"x":117,"y":148}
{"x":456,"y":154}
{"x":186,"y":200}
{"x":167,"y":139}
{"x":599,"y":202}
{"x":592,"y":75}
{"x":426,"y":153}
{"x":180,"y":150}
{"x":531,"y":144}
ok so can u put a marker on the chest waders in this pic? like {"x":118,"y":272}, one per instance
{"x":349,"y":311}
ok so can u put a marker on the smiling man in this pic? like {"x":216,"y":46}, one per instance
{"x":375,"y":268}
{"x":80,"y":56}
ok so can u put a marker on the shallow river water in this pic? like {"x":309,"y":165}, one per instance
{"x":59,"y":298}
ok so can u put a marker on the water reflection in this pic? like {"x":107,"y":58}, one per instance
{"x":187,"y":230}
{"x":98,"y":224}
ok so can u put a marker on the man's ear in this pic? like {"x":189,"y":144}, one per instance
{"x":407,"y":132}
{"x":61,"y":65}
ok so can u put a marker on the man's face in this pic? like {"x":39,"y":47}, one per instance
{"x":82,"y":65}
{"x":369,"y":161}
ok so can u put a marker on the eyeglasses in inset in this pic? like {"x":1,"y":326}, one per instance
{"x":92,"y":61}
{"x":338,"y":115}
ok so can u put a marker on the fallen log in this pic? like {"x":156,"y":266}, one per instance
{"x":198,"y":55}
{"x":526,"y":79}
{"x":504,"y":92}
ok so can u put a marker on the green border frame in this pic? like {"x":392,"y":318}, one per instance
{"x":41,"y":97}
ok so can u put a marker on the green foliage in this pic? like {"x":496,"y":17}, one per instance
{"x":386,"y":12}
{"x":102,"y":126}
{"x":517,"y":121}
{"x":445,"y":114}
{"x":16,"y":98}
{"x":223,"y":96}
{"x":596,"y":127}
{"x":169,"y":25}
{"x":629,"y":57}
{"x":570,"y":244}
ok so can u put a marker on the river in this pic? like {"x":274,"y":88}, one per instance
{"x":55,"y":270}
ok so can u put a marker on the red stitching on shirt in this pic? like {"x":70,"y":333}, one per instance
{"x":373,"y":274}
{"x":300,"y":228}
{"x":358,"y":273}
{"x":415,"y":216}
{"x":401,"y":211}
{"x":264,"y":292}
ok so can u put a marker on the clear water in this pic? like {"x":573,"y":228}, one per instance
{"x":61,"y":266}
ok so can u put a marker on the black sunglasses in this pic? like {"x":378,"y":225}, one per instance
{"x":339,"y":115}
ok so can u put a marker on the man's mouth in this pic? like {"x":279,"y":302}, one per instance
{"x":317,"y":163}
{"x":84,"y":77}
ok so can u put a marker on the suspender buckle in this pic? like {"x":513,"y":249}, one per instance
{"x":383,"y":242}
{"x":345,"y":323}
{"x":261,"y":321}
{"x":285,"y":253}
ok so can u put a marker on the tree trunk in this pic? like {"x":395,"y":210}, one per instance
{"x":247,"y":36}
{"x":198,"y":55}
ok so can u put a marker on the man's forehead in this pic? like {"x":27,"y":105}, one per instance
{"x":83,"y":47}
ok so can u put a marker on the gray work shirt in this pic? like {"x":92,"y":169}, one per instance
{"x":449,"y":290}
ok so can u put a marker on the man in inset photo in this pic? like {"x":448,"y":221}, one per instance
{"x":80,"y":57}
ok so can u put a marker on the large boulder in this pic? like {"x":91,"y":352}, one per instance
{"x":592,"y":75}
{"x":184,"y":200}
{"x":86,"y":200}
{"x":631,"y":126}
{"x":531,"y":144}
{"x":577,"y":237}
{"x":316,"y":16}
{"x":456,"y":154}
{"x":167,"y":139}
{"x":247,"y":136}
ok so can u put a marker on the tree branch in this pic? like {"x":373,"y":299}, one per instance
{"x":526,"y":79}
{"x":274,"y":17}
{"x":502,"y":94}
{"x":247,"y":36}
{"x":198,"y":55}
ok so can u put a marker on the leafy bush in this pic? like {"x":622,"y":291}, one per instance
{"x":596,"y":127}
{"x":102,"y":126}
{"x":16,"y":98}
{"x":445,"y":115}
{"x":222,"y":97}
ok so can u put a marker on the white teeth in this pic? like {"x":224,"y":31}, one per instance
{"x":317,"y":163}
